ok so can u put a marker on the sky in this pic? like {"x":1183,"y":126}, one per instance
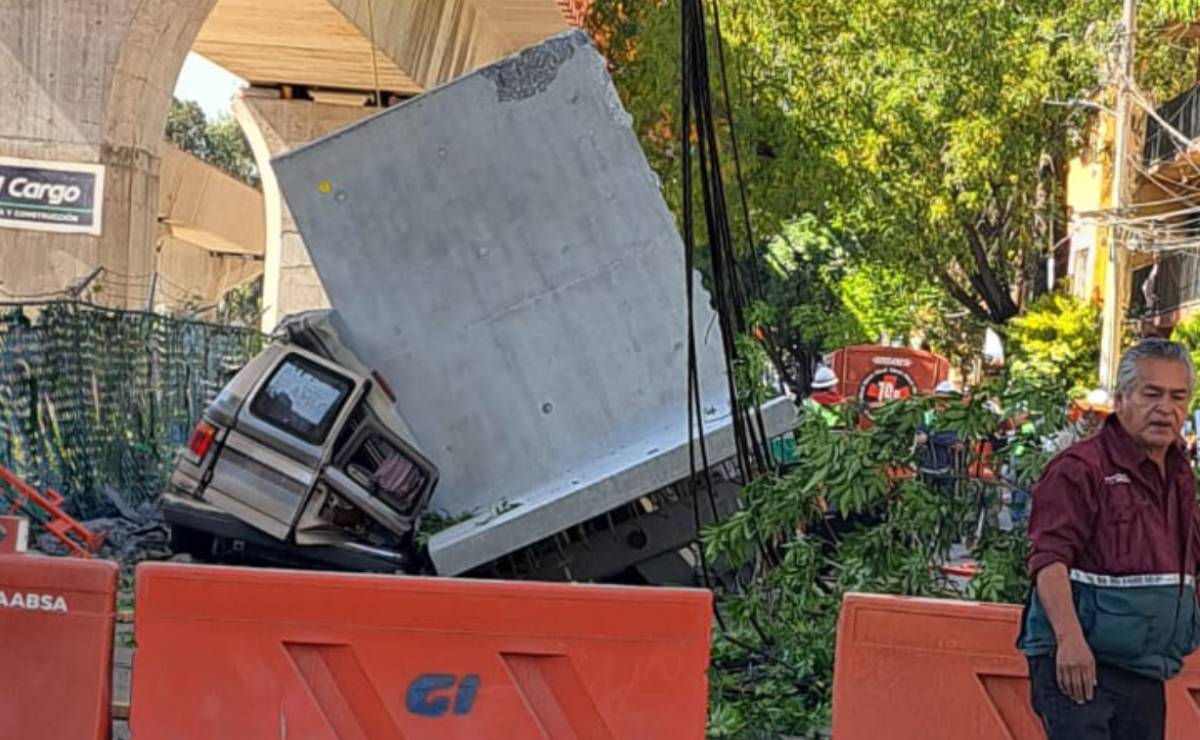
{"x":209,"y":85}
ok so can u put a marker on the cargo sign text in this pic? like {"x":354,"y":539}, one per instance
{"x":51,"y":196}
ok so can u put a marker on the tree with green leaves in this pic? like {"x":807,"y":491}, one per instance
{"x":221,"y":143}
{"x":187,"y":127}
{"x":855,"y":514}
{"x":923,"y":129}
{"x":817,"y":296}
{"x":936,"y":134}
{"x":1057,"y":338}
{"x":1187,"y":333}
{"x":799,"y":277}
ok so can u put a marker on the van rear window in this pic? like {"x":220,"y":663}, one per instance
{"x":302,"y":398}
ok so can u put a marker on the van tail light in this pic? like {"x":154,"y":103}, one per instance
{"x":202,"y":439}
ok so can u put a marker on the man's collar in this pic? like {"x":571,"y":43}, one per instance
{"x":1125,"y":451}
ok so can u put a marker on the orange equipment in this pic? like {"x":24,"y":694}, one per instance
{"x":80,"y":540}
{"x":328,"y":655}
{"x":56,"y":622}
{"x":916,"y":669}
{"x":877,"y":374}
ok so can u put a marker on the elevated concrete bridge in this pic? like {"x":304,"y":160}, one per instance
{"x":88,"y":83}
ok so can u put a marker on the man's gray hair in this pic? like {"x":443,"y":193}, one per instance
{"x":1152,"y":348}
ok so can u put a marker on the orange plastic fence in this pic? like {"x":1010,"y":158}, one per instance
{"x":923,"y":669}
{"x":56,"y":628}
{"x":227,"y":652}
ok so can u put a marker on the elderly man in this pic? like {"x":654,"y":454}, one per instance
{"x":1114,"y":535}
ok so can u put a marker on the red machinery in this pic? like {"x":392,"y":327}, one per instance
{"x":876,"y":374}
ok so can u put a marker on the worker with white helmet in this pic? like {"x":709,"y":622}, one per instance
{"x":824,"y":387}
{"x":941,"y":446}
{"x":946,"y":389}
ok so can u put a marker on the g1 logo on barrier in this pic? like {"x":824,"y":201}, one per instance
{"x":430,"y":694}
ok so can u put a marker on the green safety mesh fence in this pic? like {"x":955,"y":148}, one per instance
{"x":94,"y":402}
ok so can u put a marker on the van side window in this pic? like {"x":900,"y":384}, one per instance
{"x":302,"y":398}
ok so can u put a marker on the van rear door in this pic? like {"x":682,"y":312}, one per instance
{"x":283,"y":436}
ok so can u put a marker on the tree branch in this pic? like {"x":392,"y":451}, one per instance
{"x":961,"y":295}
{"x":776,"y":355}
{"x":993,"y":290}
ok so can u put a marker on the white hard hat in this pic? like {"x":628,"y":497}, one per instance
{"x":1097,"y":397}
{"x":946,"y":388}
{"x":824,"y":378}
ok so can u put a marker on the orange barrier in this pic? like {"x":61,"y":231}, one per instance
{"x":14,"y":535}
{"x":229,"y":652}
{"x":924,"y":669}
{"x":56,"y":628}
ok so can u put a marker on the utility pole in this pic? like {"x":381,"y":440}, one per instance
{"x":1114,"y":275}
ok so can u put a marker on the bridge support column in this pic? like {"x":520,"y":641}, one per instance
{"x":87,"y":82}
{"x":275,"y":126}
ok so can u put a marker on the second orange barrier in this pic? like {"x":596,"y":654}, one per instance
{"x":925,"y":669}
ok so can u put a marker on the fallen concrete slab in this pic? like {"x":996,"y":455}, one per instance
{"x":500,"y":251}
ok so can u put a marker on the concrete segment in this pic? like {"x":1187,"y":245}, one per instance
{"x":201,"y":204}
{"x":500,"y":251}
{"x":438,"y":40}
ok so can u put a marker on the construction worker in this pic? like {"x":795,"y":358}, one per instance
{"x":824,"y":401}
{"x":824,"y":387}
{"x":937,"y":461}
{"x":1115,"y":540}
{"x":947,"y":389}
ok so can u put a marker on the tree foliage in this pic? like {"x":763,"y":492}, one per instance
{"x":242,"y":305}
{"x":819,"y":295}
{"x":774,"y":649}
{"x":892,"y":304}
{"x":935,"y":133}
{"x":800,"y":305}
{"x":1187,"y":333}
{"x":1058,"y":337}
{"x":187,"y":126}
{"x":1173,"y":10}
{"x":925,"y":130}
{"x":221,"y":143}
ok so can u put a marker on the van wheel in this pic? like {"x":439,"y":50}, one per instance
{"x":198,"y":545}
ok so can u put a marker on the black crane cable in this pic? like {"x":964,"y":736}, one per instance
{"x":695,"y":410}
{"x":728,"y":292}
{"x":727,"y":289}
{"x":755,"y":265}
{"x":753,"y":455}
